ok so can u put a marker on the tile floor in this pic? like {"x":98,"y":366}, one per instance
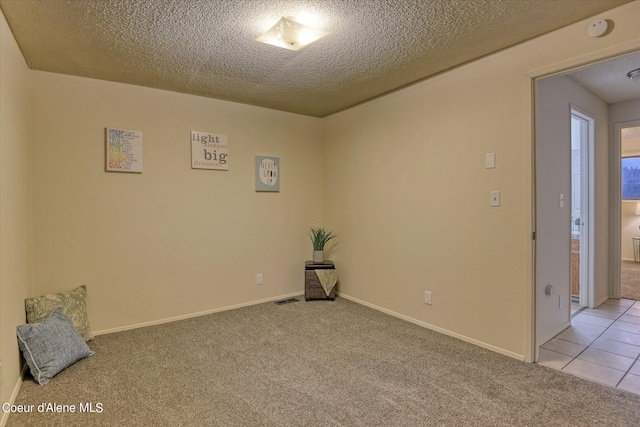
{"x":575,"y":307}
{"x":602,"y":345}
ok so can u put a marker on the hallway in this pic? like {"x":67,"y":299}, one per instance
{"x":602,"y":345}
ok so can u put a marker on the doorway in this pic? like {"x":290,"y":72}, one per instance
{"x":581,"y":210}
{"x":628,"y":139}
{"x":563,"y":216}
{"x":607,"y":101}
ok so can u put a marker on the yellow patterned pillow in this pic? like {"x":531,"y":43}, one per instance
{"x":73,"y":305}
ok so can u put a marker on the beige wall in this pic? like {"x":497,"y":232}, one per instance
{"x":171,"y":241}
{"x":407,"y":190}
{"x":15,"y":208}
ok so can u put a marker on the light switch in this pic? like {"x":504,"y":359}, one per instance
{"x":495,"y":198}
{"x":490,"y":160}
{"x":562,"y":200}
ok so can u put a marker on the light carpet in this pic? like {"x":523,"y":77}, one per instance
{"x":317,"y":363}
{"x":630,"y":280}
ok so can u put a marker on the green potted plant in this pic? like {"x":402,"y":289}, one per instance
{"x":319,"y":238}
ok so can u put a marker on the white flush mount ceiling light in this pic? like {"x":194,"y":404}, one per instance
{"x":291,"y":35}
{"x":634,"y":75}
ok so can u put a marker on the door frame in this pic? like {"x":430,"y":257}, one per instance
{"x":587,"y":208}
{"x":529,"y":81}
{"x":532,"y":352}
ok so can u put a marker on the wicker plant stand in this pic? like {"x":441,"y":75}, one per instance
{"x":312,"y":288}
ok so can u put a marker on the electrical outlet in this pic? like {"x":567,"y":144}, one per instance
{"x":259,"y":279}
{"x":427,"y":297}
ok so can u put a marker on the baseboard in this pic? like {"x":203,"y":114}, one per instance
{"x":280,"y":297}
{"x":601,"y":300}
{"x":544,"y":338}
{"x":14,"y":394}
{"x":191,"y":315}
{"x":435,"y":328}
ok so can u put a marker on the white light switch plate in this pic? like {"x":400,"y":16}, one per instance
{"x":490,"y":160}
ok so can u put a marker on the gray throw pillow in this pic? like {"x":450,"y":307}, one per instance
{"x":51,"y":346}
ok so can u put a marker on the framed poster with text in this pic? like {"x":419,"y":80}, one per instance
{"x":124,"y":150}
{"x":209,"y":151}
{"x":267,"y":173}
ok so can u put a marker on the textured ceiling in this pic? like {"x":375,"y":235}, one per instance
{"x":208,"y":47}
{"x":608,"y":80}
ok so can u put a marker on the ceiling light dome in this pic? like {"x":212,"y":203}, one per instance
{"x":634,"y":75}
{"x":289,"y":34}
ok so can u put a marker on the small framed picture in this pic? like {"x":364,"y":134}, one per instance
{"x":267,"y":173}
{"x":209,"y":151}
{"x":124,"y":150}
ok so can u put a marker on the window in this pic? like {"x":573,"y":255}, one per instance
{"x":631,"y":177}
